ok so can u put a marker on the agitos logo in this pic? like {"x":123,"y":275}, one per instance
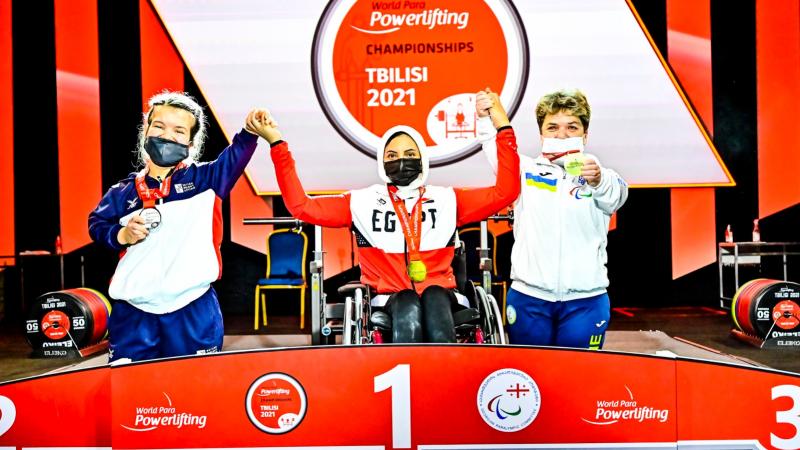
{"x":509,"y":400}
{"x":377,"y":64}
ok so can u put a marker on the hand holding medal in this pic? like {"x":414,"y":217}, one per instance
{"x":149,"y":217}
{"x":133,"y":232}
{"x":591,"y":171}
{"x":152,"y":218}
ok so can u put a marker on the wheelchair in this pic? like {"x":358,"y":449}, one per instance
{"x":480,"y":323}
{"x":359,"y":323}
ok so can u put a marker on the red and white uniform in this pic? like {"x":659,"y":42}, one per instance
{"x":380,"y":238}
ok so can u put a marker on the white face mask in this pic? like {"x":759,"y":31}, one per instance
{"x":556,"y":149}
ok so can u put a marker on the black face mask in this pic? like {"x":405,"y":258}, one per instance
{"x":165,"y":153}
{"x":403,"y":171}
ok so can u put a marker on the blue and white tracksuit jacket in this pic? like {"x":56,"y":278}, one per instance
{"x":560,"y":227}
{"x":177,"y":262}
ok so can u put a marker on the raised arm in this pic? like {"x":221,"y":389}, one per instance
{"x":486,"y":136}
{"x":231,"y":162}
{"x":491,"y":117}
{"x":477,"y":204}
{"x":224,"y":171}
{"x":326,"y":210}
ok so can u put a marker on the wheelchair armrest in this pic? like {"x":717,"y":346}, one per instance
{"x":351,"y":287}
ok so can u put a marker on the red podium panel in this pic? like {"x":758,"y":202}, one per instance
{"x":434,"y":388}
{"x":751,"y":406}
{"x":66,"y":410}
{"x":418,"y":397}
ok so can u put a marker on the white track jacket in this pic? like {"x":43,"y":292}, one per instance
{"x":560,"y":227}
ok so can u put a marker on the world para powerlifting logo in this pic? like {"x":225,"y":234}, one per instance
{"x":625,"y":409}
{"x":377,"y":64}
{"x":164,"y":415}
{"x":381,"y":22}
{"x":276,"y":403}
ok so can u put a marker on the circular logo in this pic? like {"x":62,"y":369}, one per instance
{"x":785,"y":314}
{"x":511,"y":314}
{"x":377,"y":64}
{"x":509,"y":400}
{"x":55,"y":324}
{"x":276,"y":403}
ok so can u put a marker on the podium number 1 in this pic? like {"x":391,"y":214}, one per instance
{"x":399,"y":381}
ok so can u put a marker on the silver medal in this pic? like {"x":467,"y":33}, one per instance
{"x":152,"y":218}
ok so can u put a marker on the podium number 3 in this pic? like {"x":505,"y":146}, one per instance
{"x":790,"y":416}
{"x":399,"y":381}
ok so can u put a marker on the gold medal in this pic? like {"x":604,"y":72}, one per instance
{"x":573,"y":164}
{"x":417,"y":271}
{"x":411,"y":225}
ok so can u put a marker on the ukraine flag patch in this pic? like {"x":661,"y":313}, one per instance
{"x":540,"y":182}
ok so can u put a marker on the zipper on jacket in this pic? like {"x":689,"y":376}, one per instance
{"x":161,"y":186}
{"x":559,"y":294}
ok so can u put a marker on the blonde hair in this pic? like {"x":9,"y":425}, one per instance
{"x":571,"y":101}
{"x":181,"y":100}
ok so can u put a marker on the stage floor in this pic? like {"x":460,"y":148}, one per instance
{"x":694,"y":332}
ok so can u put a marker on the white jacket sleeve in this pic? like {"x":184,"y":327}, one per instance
{"x":486,"y":136}
{"x":612,"y":191}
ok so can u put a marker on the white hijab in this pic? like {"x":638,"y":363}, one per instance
{"x":420,"y":181}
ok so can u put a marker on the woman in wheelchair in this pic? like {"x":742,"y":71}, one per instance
{"x":404,"y":228}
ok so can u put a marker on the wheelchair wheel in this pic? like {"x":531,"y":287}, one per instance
{"x":491,"y":318}
{"x":498,"y":317}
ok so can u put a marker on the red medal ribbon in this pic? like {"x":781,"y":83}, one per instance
{"x":149,"y":196}
{"x":554,"y":156}
{"x":412,"y":226}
